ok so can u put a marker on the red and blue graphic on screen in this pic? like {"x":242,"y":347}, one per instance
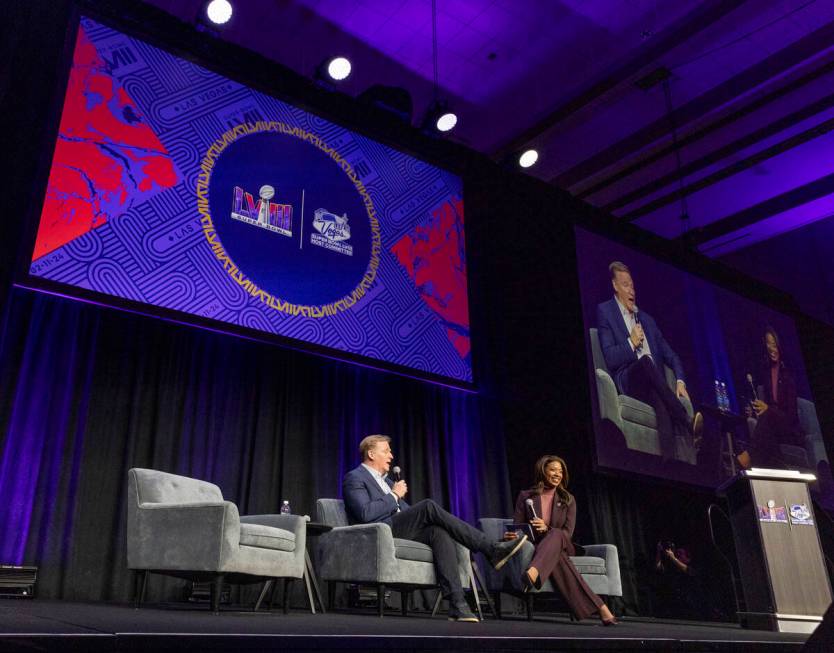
{"x":303,"y":215}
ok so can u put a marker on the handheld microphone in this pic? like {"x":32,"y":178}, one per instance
{"x":395,"y":472}
{"x":636,"y":314}
{"x":532,"y":508}
{"x":752,"y":387}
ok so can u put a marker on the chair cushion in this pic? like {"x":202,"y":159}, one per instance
{"x":589,"y":564}
{"x":411,"y":550}
{"x":636,"y":411}
{"x":266,"y":537}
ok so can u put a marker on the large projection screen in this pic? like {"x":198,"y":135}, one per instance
{"x":176,"y":191}
{"x":708,"y":336}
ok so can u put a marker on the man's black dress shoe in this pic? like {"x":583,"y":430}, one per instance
{"x":460,"y":611}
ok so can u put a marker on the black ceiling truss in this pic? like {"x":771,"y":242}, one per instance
{"x":757,"y":74}
{"x":698,"y":134}
{"x":773,"y":206}
{"x":728,"y":150}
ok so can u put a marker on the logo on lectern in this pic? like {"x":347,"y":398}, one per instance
{"x":801,"y":515}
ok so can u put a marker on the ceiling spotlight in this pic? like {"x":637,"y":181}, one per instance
{"x":439,"y":117}
{"x":446,"y":122}
{"x":528,"y":158}
{"x":338,"y":68}
{"x":219,"y":11}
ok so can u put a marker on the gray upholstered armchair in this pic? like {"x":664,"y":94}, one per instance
{"x":812,"y":453}
{"x":600,"y":567}
{"x":369,"y":554}
{"x":634,"y":419}
{"x":182,"y":527}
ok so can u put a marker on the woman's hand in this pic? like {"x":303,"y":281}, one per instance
{"x":759,"y":406}
{"x":510,"y":535}
{"x":538,"y":525}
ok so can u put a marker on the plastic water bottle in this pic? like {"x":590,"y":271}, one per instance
{"x":285,"y":508}
{"x":718,"y":402}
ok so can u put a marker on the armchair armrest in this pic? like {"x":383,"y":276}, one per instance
{"x":295,"y":524}
{"x":360,"y":553}
{"x":609,"y":553}
{"x":187,"y":536}
{"x":609,"y":407}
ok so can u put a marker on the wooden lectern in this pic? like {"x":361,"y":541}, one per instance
{"x":782,"y":568}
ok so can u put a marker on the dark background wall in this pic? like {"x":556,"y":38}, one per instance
{"x":87,"y":392}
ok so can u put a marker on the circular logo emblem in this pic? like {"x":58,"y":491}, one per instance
{"x":289,"y":219}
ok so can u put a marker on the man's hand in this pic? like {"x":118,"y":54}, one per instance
{"x":637,"y":335}
{"x":759,"y":407}
{"x":400,"y":488}
{"x":510,"y":535}
{"x":539,"y":525}
{"x":680,"y":390}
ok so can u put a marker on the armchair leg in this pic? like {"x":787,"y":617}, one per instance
{"x":380,"y":600}
{"x":437,"y":601}
{"x":287,"y":594}
{"x":331,"y":595}
{"x":405,"y":597}
{"x":140,"y":586}
{"x":216,"y":589}
{"x":267,"y":586}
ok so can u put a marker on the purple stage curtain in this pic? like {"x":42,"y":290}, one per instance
{"x":89,"y":392}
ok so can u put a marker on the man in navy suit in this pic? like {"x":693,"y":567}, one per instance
{"x":636,"y":352}
{"x":370,"y":496}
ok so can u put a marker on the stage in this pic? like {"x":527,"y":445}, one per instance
{"x":64,"y":626}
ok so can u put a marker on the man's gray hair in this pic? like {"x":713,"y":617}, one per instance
{"x":617,"y":266}
{"x":369,"y":442}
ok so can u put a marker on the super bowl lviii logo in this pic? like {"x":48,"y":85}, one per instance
{"x":265,"y":214}
{"x":333,"y":230}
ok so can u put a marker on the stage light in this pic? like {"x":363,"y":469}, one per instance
{"x":439,"y":117}
{"x":446,"y":122}
{"x":338,"y":68}
{"x":528,"y":158}
{"x":219,"y":11}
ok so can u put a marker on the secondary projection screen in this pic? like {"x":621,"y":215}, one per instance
{"x":711,"y":339}
{"x":176,"y":188}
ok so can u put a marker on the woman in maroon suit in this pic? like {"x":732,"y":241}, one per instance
{"x":552,"y":518}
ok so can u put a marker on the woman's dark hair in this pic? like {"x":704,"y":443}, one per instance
{"x":539,"y":477}
{"x":770,"y":331}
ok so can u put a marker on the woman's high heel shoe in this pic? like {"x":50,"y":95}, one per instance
{"x":527,"y":584}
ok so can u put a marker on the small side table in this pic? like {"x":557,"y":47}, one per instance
{"x":728,"y":423}
{"x":314,"y":529}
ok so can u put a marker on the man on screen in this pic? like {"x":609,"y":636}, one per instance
{"x":370,"y":496}
{"x":636,"y":354}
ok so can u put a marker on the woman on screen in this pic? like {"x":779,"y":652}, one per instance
{"x":550,"y":510}
{"x":777,"y":419}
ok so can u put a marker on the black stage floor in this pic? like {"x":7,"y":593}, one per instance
{"x":33,"y":625}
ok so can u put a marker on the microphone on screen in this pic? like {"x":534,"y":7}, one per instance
{"x":752,"y":387}
{"x":395,"y":473}
{"x":532,"y":508}
{"x":636,"y":314}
